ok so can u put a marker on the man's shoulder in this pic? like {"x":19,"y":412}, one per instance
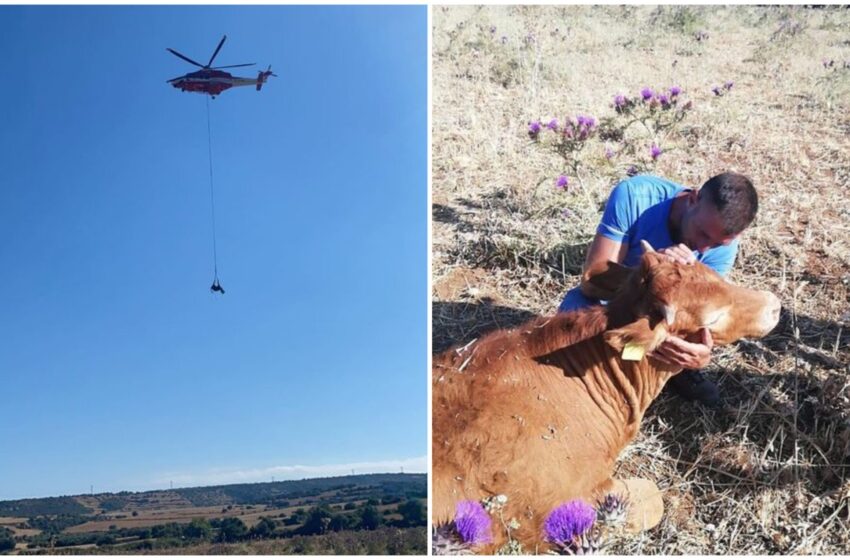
{"x":648,"y":186}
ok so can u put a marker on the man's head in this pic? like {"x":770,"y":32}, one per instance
{"x":724,"y":207}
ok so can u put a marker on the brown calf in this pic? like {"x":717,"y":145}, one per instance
{"x":540,"y":413}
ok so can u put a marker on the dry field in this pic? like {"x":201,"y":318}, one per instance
{"x":767,"y":474}
{"x":152,"y":517}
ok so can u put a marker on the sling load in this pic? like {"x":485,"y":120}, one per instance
{"x":211,"y":80}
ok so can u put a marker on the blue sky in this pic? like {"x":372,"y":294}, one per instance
{"x":118,"y":367}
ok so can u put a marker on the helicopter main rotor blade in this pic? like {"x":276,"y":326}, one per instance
{"x":232,"y":66}
{"x":186,"y":58}
{"x":218,"y":48}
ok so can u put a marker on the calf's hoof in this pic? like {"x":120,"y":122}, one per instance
{"x":646,"y":507}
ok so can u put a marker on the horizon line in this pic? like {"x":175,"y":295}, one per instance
{"x":228,"y":477}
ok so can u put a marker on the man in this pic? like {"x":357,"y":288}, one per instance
{"x":685,"y":225}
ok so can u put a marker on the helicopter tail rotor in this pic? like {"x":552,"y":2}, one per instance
{"x":263,"y":76}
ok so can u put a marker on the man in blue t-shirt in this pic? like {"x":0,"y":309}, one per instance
{"x":686,"y":225}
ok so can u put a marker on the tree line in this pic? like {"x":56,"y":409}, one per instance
{"x":317,"y":520}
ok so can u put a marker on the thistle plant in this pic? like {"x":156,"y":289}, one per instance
{"x":471,"y":527}
{"x":652,"y":112}
{"x":722,"y":90}
{"x":612,"y":510}
{"x":445,"y":541}
{"x":473,"y":523}
{"x":634,"y":138}
{"x":568,"y":140}
{"x":569,"y":526}
{"x":657,"y":111}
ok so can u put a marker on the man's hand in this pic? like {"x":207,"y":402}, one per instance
{"x":679,"y":253}
{"x":676,"y":351}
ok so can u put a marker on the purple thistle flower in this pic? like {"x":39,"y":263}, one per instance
{"x":553,"y":125}
{"x":504,"y":39}
{"x":534,"y":129}
{"x":716,"y":90}
{"x":609,"y":153}
{"x":569,"y":521}
{"x":728,"y":85}
{"x":646,"y":93}
{"x":664,"y":100}
{"x":563,"y":182}
{"x":655,"y":151}
{"x":566,"y":213}
{"x":632,"y":171}
{"x":472,"y":522}
{"x":619,"y":101}
{"x":675,"y":90}
{"x":492,"y":29}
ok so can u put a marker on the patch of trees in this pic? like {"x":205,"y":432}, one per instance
{"x":382,"y":541}
{"x":413,"y":514}
{"x":199,"y":528}
{"x":231,"y":529}
{"x":264,"y":529}
{"x":297,"y":517}
{"x":42,"y":506}
{"x":113,"y":503}
{"x":7,"y":539}
{"x":322,"y":519}
{"x":271,"y":493}
{"x":56,"y":523}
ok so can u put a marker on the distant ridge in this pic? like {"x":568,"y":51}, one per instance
{"x":403,"y":484}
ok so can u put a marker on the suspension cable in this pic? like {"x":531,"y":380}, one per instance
{"x":212,"y":196}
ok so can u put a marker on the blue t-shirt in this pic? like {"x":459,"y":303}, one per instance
{"x":637,"y":209}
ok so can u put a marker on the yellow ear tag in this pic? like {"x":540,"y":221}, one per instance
{"x":633,"y":352}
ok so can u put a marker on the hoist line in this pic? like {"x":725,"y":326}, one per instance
{"x":212,"y":196}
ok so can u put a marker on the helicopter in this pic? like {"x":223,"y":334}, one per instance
{"x":211,"y":80}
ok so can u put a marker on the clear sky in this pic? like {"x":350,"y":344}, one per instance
{"x":118,"y":367}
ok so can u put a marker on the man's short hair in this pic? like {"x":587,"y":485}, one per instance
{"x":735,"y":198}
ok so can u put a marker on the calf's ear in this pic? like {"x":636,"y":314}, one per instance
{"x":636,"y":339}
{"x":602,"y":280}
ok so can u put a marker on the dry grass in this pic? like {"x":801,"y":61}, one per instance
{"x":152,"y":517}
{"x":769,"y":473}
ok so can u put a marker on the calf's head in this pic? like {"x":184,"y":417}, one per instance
{"x":660,"y":297}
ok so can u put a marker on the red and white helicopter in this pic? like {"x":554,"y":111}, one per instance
{"x":211,"y":80}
